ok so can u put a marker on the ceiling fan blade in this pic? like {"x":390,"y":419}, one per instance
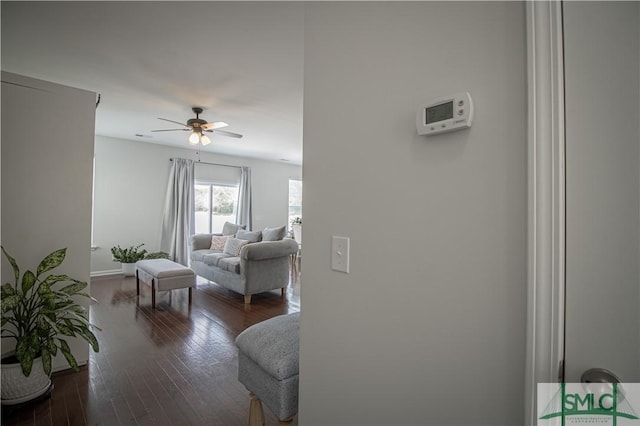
{"x":171,"y":121}
{"x":214,"y":125}
{"x":225,"y":133}
{"x":171,"y":130}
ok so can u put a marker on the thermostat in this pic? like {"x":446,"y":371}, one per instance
{"x":445,"y":114}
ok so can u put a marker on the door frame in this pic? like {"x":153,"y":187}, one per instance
{"x":546,"y":200}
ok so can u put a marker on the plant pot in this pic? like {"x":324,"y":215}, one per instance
{"x":16,"y":388}
{"x":129,"y":269}
{"x":297,"y":232}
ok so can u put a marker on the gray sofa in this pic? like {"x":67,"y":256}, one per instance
{"x":260,"y":266}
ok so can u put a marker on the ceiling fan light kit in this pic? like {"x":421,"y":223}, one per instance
{"x":204,"y":140}
{"x":198,"y":126}
{"x":198,"y":137}
{"x":194,"y":138}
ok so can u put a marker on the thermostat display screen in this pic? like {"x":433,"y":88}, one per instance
{"x":439,"y":112}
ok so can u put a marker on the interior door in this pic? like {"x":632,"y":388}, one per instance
{"x":602,"y":95}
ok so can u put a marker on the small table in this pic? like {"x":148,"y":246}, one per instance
{"x":164,"y":275}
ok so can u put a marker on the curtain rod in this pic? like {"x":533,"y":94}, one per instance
{"x":213,"y":164}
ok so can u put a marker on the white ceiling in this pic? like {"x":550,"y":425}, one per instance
{"x":242,"y":62}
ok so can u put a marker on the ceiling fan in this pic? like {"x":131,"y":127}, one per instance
{"x":198,"y":126}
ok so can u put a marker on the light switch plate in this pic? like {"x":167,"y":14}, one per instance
{"x":340,"y":254}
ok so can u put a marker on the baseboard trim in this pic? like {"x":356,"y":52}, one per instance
{"x":96,"y":274}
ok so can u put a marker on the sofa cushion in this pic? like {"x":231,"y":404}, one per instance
{"x":218,"y":242}
{"x":201,"y":241}
{"x":251,"y":236}
{"x":213,"y":258}
{"x":233,"y":246}
{"x":198,"y":255}
{"x":231,"y":264}
{"x":274,"y":234}
{"x":231,"y":228}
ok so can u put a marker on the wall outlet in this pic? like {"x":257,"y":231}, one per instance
{"x":340,"y":254}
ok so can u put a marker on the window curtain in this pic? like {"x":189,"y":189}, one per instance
{"x":244,"y":198}
{"x":179,"y":211}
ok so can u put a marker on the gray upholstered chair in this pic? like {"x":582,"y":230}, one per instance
{"x":268,"y":367}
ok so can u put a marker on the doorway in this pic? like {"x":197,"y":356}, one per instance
{"x":602,"y":316}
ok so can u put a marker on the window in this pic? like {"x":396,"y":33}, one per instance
{"x":295,"y":200}
{"x":215,"y":205}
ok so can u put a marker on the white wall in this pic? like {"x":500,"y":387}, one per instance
{"x":46,"y":180}
{"x":603,"y":184}
{"x":429,"y":326}
{"x":131,"y":183}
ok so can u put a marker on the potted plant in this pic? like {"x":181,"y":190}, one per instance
{"x":39,"y":312}
{"x":130,"y":255}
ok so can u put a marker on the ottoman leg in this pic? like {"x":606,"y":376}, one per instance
{"x":153,"y":293}
{"x":137,"y":284}
{"x":256,"y":415}
{"x":247,"y":299}
{"x":190,"y":294}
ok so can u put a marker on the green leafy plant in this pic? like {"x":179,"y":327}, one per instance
{"x":40,"y":311}
{"x":133,"y":254}
{"x":157,"y":255}
{"x":128,"y":255}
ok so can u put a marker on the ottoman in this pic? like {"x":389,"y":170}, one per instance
{"x":268,"y":362}
{"x":163,"y":275}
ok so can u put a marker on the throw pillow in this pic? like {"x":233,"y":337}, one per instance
{"x":231,"y":228}
{"x":233,"y":246}
{"x":251,"y":236}
{"x":274,"y":234}
{"x":218,"y":242}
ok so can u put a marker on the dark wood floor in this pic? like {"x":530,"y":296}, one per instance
{"x":168,"y":366}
